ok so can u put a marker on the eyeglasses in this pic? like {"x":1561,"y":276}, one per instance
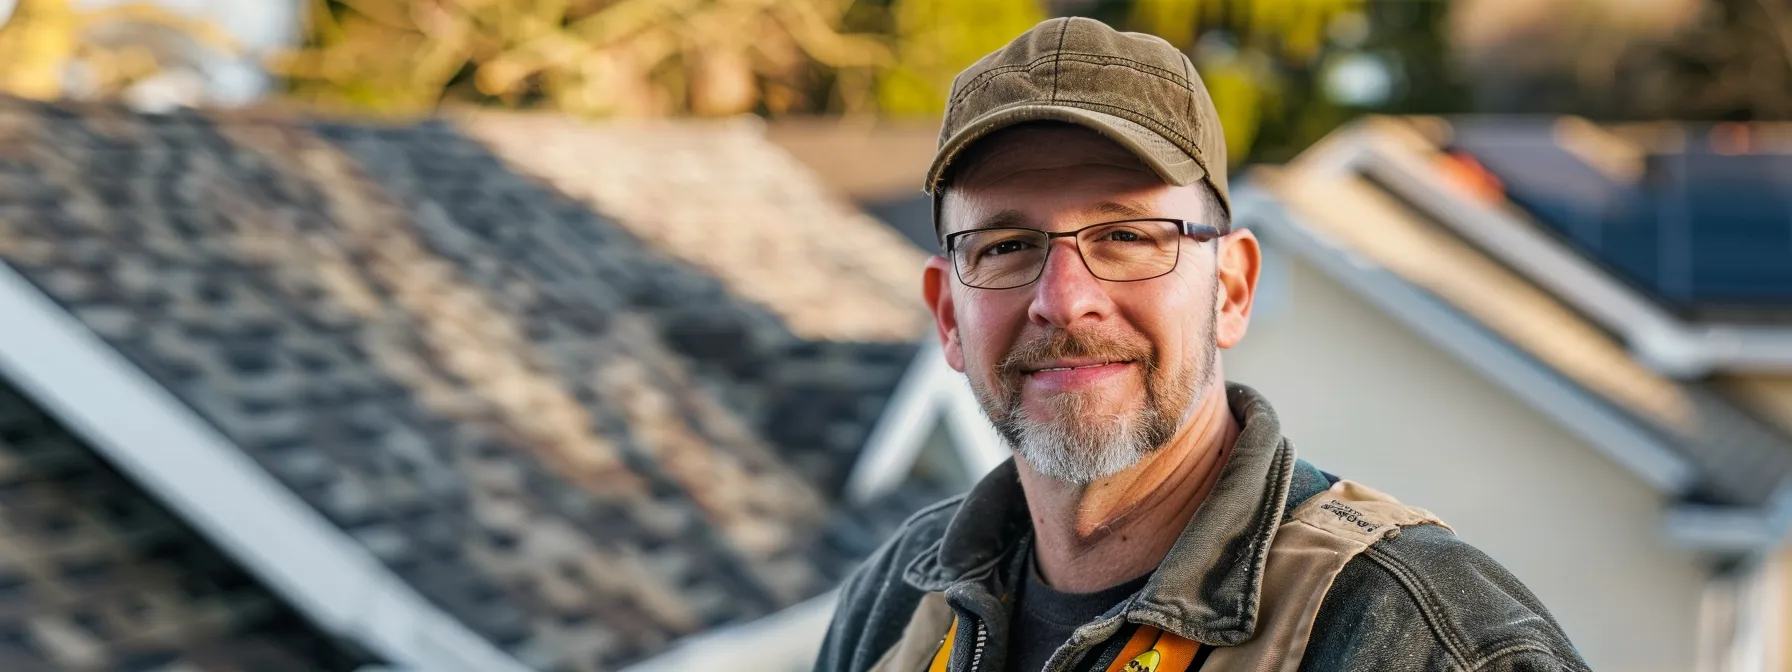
{"x":1124,"y":251}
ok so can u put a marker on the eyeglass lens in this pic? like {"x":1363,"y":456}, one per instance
{"x":1117,"y":251}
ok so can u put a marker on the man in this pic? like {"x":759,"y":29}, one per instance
{"x":1154,"y":519}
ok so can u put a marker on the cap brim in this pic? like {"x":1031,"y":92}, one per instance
{"x":1164,"y":158}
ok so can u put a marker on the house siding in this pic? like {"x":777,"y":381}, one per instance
{"x":1367,"y":399}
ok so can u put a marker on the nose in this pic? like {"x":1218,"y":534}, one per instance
{"x":1066,"y":292}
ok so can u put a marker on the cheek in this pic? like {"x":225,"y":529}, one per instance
{"x":988,"y":326}
{"x":1171,"y":316}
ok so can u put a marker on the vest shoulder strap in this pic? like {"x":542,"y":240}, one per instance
{"x":926,"y":642}
{"x":1310,"y":549}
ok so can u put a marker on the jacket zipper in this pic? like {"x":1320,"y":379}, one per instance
{"x":977,"y":651}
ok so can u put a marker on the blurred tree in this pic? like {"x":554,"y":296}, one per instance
{"x":936,"y":39}
{"x":1268,"y":62}
{"x":594,"y":57}
{"x":51,"y":49}
{"x":1690,"y":59}
{"x":1732,"y":62}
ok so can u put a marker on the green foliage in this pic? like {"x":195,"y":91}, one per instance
{"x":938,"y":38}
{"x":589,"y":57}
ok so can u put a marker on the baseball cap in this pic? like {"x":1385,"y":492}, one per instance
{"x":1133,"y":88}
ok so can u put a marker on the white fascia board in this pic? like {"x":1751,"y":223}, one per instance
{"x":981,"y":448}
{"x":786,"y":640}
{"x":1606,"y":429}
{"x":930,"y":391}
{"x":173,"y":453}
{"x":1659,"y":338}
{"x":1722,"y":529}
{"x":896,"y":440}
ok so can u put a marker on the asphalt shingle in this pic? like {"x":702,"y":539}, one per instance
{"x":582,"y":445}
{"x":97,"y":575}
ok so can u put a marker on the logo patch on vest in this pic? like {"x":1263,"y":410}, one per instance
{"x":1145,"y":662}
{"x":1346,"y":514}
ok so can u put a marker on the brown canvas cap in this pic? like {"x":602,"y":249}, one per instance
{"x":1134,"y":88}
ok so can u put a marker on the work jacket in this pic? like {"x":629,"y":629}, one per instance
{"x":1413,"y":597}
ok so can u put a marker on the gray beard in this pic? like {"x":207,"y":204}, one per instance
{"x":1078,"y":450}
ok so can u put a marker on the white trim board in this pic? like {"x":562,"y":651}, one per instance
{"x":930,"y":391}
{"x":188,"y":465}
{"x":786,"y":640}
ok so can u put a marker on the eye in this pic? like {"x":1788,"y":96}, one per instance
{"x":1002,"y":247}
{"x":1122,"y":236}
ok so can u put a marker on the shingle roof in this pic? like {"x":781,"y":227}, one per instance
{"x":580,"y":440}
{"x":1741,"y":452}
{"x":96,"y":575}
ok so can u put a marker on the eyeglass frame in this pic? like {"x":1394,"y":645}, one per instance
{"x":1184,"y":228}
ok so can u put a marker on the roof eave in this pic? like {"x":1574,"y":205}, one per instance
{"x":1724,"y":529}
{"x":186,"y":463}
{"x":930,"y":391}
{"x":1612,"y":432}
{"x":1659,"y":339}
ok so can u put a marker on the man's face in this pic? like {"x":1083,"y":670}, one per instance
{"x":1084,"y":377}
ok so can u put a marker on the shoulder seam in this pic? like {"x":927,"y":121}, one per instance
{"x":1423,"y":597}
{"x":1516,"y":648}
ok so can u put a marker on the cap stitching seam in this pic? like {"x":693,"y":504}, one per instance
{"x":1189,"y":112}
{"x":1145,"y":68}
{"x":982,"y":79}
{"x":1154,"y":125}
{"x":986,"y":78}
{"x":1141,"y":120}
{"x":1058,"y":57}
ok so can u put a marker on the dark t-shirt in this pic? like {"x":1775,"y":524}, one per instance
{"x":1044,"y":618}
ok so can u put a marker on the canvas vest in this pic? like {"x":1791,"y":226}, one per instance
{"x":1307,"y":553}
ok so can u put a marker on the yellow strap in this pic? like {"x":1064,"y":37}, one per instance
{"x":1149,"y":650}
{"x":944,"y":655}
{"x":1167,"y":652}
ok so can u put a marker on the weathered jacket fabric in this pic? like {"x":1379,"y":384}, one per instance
{"x":1420,"y":600}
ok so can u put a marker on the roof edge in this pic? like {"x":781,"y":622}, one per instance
{"x":1724,"y":529}
{"x":930,"y":391}
{"x":1658,"y":338}
{"x":1621,"y":438}
{"x":792,"y":635}
{"x":187,"y":464}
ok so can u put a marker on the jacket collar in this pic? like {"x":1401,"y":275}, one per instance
{"x":1206,"y":589}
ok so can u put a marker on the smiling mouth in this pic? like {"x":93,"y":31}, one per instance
{"x":1073,"y":368}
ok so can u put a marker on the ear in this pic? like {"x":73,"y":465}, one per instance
{"x":1240,"y":260}
{"x":936,"y":289}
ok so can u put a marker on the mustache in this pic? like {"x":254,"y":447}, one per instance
{"x":1060,"y":344}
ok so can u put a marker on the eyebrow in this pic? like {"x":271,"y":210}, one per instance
{"x":1016,"y":218}
{"x":1120,"y":209}
{"x":1003,"y":219}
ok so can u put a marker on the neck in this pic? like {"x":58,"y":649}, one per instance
{"x":1090,"y":537}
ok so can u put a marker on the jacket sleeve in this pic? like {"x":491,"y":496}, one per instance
{"x":874,"y":603}
{"x":844,"y":629}
{"x":1427,"y":601}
